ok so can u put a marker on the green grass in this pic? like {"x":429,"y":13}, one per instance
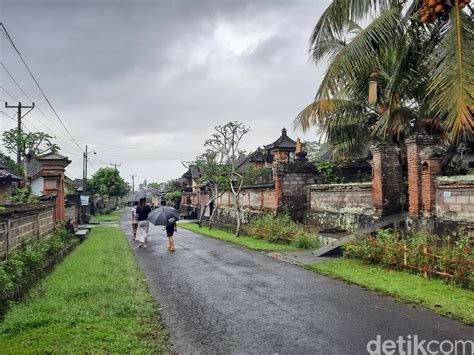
{"x":247,"y":242}
{"x":447,"y":300}
{"x":111,"y":217}
{"x":96,"y":300}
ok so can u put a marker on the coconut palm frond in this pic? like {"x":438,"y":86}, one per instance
{"x":322,"y":111}
{"x":340,"y":17}
{"x":451,"y":84}
{"x":359,"y":56}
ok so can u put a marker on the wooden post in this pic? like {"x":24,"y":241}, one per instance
{"x":405,"y":255}
{"x":425,"y":266}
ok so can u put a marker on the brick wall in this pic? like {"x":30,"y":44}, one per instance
{"x":386,"y":179}
{"x":23,"y":223}
{"x":355,"y":198}
{"x":258,"y":197}
{"x":455,"y":198}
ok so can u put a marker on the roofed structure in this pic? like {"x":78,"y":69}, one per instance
{"x":284,"y":143}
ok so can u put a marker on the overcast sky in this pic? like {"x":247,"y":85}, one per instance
{"x":158,"y":75}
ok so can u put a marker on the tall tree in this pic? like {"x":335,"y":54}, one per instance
{"x":225,"y":143}
{"x":213,"y":175}
{"x":420,"y":75}
{"x":30,"y":145}
{"x":108,"y":182}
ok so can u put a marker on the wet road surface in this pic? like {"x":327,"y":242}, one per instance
{"x":217,"y":297}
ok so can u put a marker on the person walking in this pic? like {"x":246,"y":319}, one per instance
{"x":133,"y":213}
{"x":170,"y":229}
{"x":142,"y":212}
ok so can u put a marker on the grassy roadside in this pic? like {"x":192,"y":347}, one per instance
{"x":96,"y":300}
{"x":447,"y":300}
{"x":247,"y":242}
{"x":111,"y":217}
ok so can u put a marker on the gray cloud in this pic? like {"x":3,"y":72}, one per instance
{"x":160,"y":75}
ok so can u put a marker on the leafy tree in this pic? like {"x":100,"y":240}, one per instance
{"x":11,"y":164}
{"x":225,"y":143}
{"x":213,"y":175}
{"x":155,"y":185}
{"x":108,"y":182}
{"x":30,"y":145}
{"x":421,"y":74}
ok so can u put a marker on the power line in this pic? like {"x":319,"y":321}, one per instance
{"x":133,"y":148}
{"x":28,"y":97}
{"x":7,"y":35}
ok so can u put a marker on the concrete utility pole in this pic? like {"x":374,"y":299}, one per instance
{"x":115,"y":165}
{"x":19,"y":118}
{"x":84,"y":169}
{"x":133,"y":182}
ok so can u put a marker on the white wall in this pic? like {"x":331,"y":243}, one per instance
{"x":37,"y":186}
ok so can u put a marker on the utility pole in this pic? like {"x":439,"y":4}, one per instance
{"x":19,"y":118}
{"x":84,"y":169}
{"x":133,"y":182}
{"x":115,"y":165}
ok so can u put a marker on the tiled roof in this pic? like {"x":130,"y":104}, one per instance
{"x":284,"y":143}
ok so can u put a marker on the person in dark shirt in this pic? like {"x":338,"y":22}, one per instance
{"x":170,"y":229}
{"x":142,"y":212}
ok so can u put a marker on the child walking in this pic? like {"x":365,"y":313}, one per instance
{"x":170,"y":229}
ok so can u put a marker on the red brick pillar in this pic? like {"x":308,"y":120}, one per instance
{"x":278,"y":177}
{"x":52,"y":172}
{"x":415,"y":145}
{"x":386,"y":179}
{"x":430,"y":170}
{"x":414,"y":177}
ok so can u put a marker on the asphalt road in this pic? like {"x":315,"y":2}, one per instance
{"x":217,"y":297}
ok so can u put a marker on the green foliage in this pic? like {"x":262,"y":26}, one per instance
{"x":422,"y":74}
{"x":254,"y":175}
{"x":422,"y":253}
{"x":30,"y":144}
{"x":331,"y":171}
{"x":95,"y":301}
{"x":281,"y":228}
{"x":172,"y":198}
{"x":108,"y":182}
{"x":22,"y":196}
{"x":11,"y":164}
{"x":251,"y":243}
{"x":27,"y":261}
{"x":447,"y":300}
{"x":155,"y":185}
{"x":171,"y":185}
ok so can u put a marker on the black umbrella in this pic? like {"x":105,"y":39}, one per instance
{"x":163,"y":216}
{"x":145,"y":193}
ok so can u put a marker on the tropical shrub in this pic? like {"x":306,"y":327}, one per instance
{"x":26,"y":262}
{"x":281,"y":228}
{"x":420,"y":253}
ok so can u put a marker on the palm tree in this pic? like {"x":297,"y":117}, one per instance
{"x":423,"y":73}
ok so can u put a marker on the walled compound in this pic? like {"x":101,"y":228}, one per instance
{"x":417,"y":194}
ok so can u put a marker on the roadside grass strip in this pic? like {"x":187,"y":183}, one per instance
{"x":96,"y":300}
{"x":447,"y":300}
{"x":247,"y":242}
{"x":110,"y":217}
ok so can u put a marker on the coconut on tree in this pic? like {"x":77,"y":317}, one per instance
{"x":410,"y":69}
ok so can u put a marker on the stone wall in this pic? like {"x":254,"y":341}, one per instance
{"x":256,"y":197}
{"x":23,"y":223}
{"x":455,"y":198}
{"x":340,"y":206}
{"x":341,"y":197}
{"x":294,"y":177}
{"x":71,"y":213}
